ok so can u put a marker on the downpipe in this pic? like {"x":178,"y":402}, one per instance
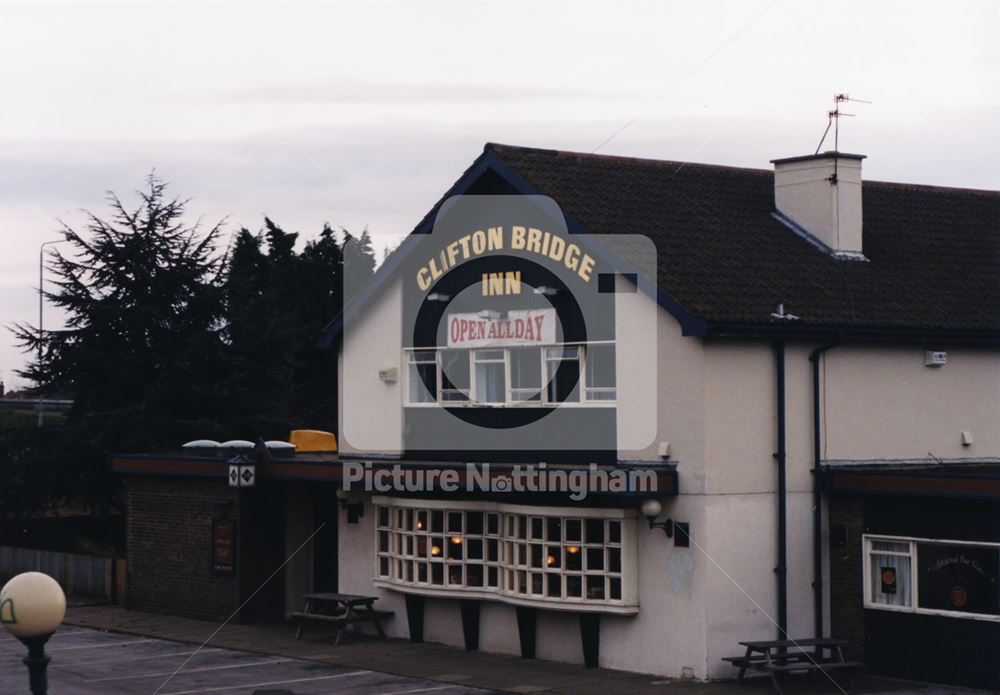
{"x":814,"y":358}
{"x":781,"y":456}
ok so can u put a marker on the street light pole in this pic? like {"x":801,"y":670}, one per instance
{"x":41,"y":334}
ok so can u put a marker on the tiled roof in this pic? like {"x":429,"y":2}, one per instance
{"x":933,"y":253}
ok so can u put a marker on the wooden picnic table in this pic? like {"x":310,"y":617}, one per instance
{"x":340,"y":610}
{"x":776,"y":657}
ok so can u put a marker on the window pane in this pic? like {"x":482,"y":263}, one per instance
{"x":455,"y":375}
{"x":491,"y":383}
{"x":554,"y":529}
{"x":422,"y":356}
{"x":595,"y":530}
{"x":564,"y":378}
{"x":891,"y":546}
{"x":574,"y":558}
{"x":423,"y":383}
{"x":595,"y":558}
{"x":595,"y":587}
{"x":614,"y":532}
{"x":525,"y":374}
{"x":891,"y":580}
{"x":574,"y":587}
{"x":474,"y":523}
{"x":568,"y":352}
{"x":601,"y":366}
{"x":489,"y":356}
{"x":614,"y":560}
{"x":554,"y":585}
{"x":474,"y":575}
{"x":959,"y":578}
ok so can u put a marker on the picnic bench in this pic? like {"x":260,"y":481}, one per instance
{"x":340,"y":610}
{"x":776,"y":657}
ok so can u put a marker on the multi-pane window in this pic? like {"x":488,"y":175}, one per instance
{"x":514,"y":555}
{"x":523,"y":376}
{"x":933,"y":576}
{"x":563,"y":558}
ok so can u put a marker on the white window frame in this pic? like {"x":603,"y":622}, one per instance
{"x":398,"y":569}
{"x":582,"y":387}
{"x":913,"y":542}
{"x":413,"y":365}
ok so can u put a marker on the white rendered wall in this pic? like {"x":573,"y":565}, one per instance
{"x":371,"y":411}
{"x":883,"y":403}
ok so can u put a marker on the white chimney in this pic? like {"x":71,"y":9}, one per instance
{"x":821,"y":195}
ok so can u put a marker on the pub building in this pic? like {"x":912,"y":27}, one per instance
{"x":629,"y":413}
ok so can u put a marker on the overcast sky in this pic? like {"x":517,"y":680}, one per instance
{"x":362,"y":114}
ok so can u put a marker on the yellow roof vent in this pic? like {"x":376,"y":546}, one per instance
{"x":313,"y":440}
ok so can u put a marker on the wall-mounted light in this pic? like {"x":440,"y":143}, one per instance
{"x":352,"y":504}
{"x":652,"y":508}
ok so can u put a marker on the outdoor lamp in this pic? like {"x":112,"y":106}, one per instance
{"x":32,"y":605}
{"x":651,"y":509}
{"x":352,"y":504}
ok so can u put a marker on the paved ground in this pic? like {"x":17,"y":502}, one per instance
{"x":258,"y":654}
{"x":90,"y":662}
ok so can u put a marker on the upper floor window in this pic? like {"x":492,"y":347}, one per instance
{"x":525,"y":376}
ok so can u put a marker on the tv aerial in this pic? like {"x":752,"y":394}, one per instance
{"x":833,"y":119}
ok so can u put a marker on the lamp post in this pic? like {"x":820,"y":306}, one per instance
{"x":41,"y":334}
{"x":32,"y":606}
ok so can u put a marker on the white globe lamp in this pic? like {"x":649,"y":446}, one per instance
{"x":32,"y":606}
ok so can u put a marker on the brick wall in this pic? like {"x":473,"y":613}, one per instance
{"x":847,"y":617}
{"x":170,"y":550}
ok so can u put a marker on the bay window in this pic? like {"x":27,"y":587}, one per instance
{"x":582,"y":559}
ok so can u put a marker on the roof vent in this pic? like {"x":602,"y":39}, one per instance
{"x":819,"y":197}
